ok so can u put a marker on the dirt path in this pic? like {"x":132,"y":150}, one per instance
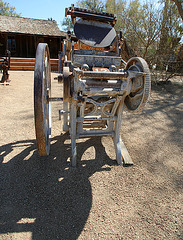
{"x":43,"y":198}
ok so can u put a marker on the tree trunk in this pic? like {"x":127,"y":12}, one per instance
{"x":163,"y":37}
{"x":179,"y":6}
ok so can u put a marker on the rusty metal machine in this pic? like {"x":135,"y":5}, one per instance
{"x":96,"y":87}
{"x":4,"y":67}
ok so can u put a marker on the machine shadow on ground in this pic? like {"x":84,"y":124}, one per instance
{"x":50,"y":200}
{"x":44,"y":195}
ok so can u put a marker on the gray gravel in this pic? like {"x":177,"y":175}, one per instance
{"x":44,"y":198}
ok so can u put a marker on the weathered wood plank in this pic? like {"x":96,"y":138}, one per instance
{"x":126,"y":156}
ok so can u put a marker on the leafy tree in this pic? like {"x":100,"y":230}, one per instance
{"x":171,"y":30}
{"x":142,"y":26}
{"x":6,"y":9}
{"x":147,"y":28}
{"x":95,"y":5}
{"x":117,"y":7}
{"x":139,"y":23}
{"x":67,"y":24}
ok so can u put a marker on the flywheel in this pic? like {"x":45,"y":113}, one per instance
{"x":141,"y":85}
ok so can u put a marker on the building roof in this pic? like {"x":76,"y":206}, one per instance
{"x":29,"y":26}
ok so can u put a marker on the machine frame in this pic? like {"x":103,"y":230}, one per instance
{"x":95,"y":86}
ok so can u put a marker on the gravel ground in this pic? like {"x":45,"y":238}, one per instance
{"x":44,"y":198}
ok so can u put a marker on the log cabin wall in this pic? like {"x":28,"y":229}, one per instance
{"x":22,"y":35}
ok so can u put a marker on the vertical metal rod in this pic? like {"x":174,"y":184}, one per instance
{"x":65,"y":117}
{"x":73,"y":132}
{"x":80,"y":124}
{"x":65,"y":50}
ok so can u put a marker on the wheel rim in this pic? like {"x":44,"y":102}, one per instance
{"x":42,"y":93}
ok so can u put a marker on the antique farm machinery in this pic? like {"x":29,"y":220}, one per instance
{"x":4,"y":67}
{"x":95,"y":86}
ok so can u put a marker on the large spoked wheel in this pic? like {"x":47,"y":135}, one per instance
{"x":42,"y":93}
{"x":141,"y":85}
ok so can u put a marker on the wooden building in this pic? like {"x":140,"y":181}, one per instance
{"x":22,"y":35}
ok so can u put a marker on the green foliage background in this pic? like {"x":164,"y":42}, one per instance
{"x":6,"y":9}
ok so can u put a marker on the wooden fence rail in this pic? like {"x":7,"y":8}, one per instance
{"x":27,"y":64}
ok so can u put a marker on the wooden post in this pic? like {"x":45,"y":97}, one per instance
{"x":60,"y":70}
{"x":27,"y":46}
